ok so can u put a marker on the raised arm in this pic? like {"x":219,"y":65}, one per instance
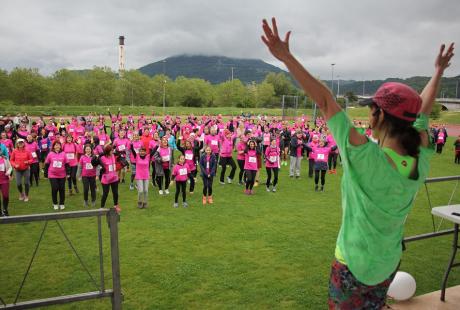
{"x":431,"y":89}
{"x":312,"y":87}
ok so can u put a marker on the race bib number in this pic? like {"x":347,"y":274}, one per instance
{"x":320,"y":156}
{"x":266,"y":139}
{"x":130,"y":136}
{"x":2,"y":167}
{"x":183,"y":171}
{"x":34,"y":155}
{"x":252,"y":159}
{"x":273,"y":159}
{"x":88,"y":166}
{"x":188,"y":156}
{"x":136,"y":150}
{"x":165,"y":158}
{"x":207,"y":165}
{"x":44,"y":146}
{"x":111,"y":168}
{"x":71,"y":130}
{"x":101,"y":142}
{"x":70,"y":156}
{"x":121,"y":147}
{"x":51,"y":134}
{"x":214,"y":142}
{"x":57,"y":164}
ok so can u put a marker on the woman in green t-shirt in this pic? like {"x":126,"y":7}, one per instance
{"x":379,"y":181}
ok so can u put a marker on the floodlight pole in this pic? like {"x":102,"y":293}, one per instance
{"x":332,"y":78}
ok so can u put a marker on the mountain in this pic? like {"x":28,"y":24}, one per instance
{"x":448,"y":89}
{"x":215,"y":69}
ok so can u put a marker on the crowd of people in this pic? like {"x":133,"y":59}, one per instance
{"x":157,"y":151}
{"x":103,"y":148}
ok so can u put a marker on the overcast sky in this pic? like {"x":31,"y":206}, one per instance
{"x":366,"y":39}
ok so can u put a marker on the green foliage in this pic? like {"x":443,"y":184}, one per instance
{"x":281,"y":84}
{"x":101,"y":87}
{"x":28,"y":86}
{"x":192,"y":92}
{"x":436,"y":111}
{"x":231,"y":94}
{"x":351,"y":96}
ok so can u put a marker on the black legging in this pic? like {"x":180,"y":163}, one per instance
{"x":269,"y":176}
{"x":457,"y":157}
{"x":191,"y":177}
{"x":250,"y":178}
{"x":89,"y":183}
{"x":311,"y":164}
{"x":153,"y":174}
{"x":105,"y":193}
{"x":72,"y":179}
{"x":58,"y":186}
{"x":180,"y":187}
{"x":224,"y":161}
{"x":439,"y":147}
{"x":332,"y":161}
{"x":241,"y":166}
{"x":207,"y":186}
{"x":34,"y":173}
{"x":323,"y":177}
{"x":167,"y":178}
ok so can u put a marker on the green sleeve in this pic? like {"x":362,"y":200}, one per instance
{"x":340,"y":126}
{"x":422,"y":122}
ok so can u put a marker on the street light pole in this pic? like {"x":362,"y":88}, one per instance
{"x":232,"y":74}
{"x":164,"y":95}
{"x":363,"y":87}
{"x":332,"y":79}
{"x":338,"y":85}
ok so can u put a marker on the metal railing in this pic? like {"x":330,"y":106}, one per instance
{"x":114,"y":293}
{"x":436,"y":231}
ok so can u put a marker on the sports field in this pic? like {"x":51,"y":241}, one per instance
{"x":270,"y":250}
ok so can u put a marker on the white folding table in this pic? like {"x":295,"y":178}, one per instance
{"x":452,"y":214}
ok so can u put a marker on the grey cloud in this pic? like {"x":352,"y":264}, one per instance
{"x":365,"y":38}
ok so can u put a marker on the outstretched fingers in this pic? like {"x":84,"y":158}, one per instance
{"x":275,"y":28}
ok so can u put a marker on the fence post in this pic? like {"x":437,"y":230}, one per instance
{"x":113,"y":219}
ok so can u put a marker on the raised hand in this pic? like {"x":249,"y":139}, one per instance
{"x":443,"y":59}
{"x":278,"y":48}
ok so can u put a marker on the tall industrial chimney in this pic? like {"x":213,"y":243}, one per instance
{"x":121,"y":55}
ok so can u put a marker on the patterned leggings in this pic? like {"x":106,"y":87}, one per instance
{"x":346,"y":292}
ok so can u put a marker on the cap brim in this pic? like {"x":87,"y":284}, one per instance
{"x":366,"y":102}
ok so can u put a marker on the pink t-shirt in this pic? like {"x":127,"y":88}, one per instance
{"x":122,"y":145}
{"x":57,"y":163}
{"x":4,"y":178}
{"x":70,"y":150}
{"x":266,"y":138}
{"x":321,"y":154}
{"x":33,"y":149}
{"x":250,"y":160}
{"x":143,"y":167}
{"x":180,"y":172}
{"x":272,"y":157}
{"x":87,"y":168}
{"x":136,"y":146}
{"x":189,"y":160}
{"x":213,"y":143}
{"x":165,"y":154}
{"x":227,"y":147}
{"x":110,"y":174}
{"x":240,"y":148}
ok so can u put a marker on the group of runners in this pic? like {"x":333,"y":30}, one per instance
{"x":156,"y":150}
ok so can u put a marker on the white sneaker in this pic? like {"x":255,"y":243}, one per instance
{"x":62,"y":207}
{"x":274,"y":189}
{"x":267,"y":188}
{"x":55,"y":207}
{"x":167,"y":191}
{"x":229,"y":181}
{"x":175,"y":205}
{"x":160,"y":192}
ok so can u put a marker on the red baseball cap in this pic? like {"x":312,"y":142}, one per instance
{"x":396,"y":99}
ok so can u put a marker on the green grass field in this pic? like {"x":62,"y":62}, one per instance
{"x":270,"y":250}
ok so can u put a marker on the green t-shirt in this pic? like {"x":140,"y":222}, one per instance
{"x":376,"y":199}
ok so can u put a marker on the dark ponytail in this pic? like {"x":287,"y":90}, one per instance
{"x":407,"y":135}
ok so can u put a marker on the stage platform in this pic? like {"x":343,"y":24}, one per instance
{"x":432,"y":301}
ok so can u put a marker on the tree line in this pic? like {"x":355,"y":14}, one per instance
{"x":103,"y":86}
